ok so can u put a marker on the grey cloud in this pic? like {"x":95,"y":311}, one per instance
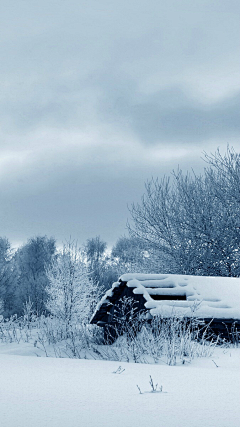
{"x":79,"y":201}
{"x":157,"y":121}
{"x":88,"y":70}
{"x":59,"y":63}
{"x":172,"y":116}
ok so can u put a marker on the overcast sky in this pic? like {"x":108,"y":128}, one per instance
{"x":98,"y":96}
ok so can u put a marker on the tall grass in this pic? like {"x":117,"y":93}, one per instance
{"x":172,"y":340}
{"x":169,"y":340}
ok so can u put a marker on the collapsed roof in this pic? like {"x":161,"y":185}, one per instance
{"x":163,"y":294}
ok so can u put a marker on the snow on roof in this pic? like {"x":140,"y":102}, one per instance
{"x":217,"y":297}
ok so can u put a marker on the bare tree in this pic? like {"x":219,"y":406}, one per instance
{"x":224,"y":172}
{"x":194,"y":220}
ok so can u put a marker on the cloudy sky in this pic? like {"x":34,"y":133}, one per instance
{"x":98,"y":96}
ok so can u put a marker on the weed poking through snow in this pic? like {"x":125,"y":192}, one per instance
{"x":119,"y":370}
{"x":154,"y":387}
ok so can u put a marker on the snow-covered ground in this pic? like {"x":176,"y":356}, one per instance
{"x":50,"y":392}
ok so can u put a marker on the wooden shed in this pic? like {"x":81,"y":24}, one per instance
{"x":212,"y":299}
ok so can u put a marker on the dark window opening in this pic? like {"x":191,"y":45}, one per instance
{"x":169,"y":297}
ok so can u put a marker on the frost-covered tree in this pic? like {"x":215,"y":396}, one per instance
{"x":8,"y":276}
{"x":31,"y":261}
{"x":130,"y":254}
{"x":193,"y":220}
{"x":100,"y":269}
{"x":71,"y":295}
{"x":128,"y":250}
{"x":94,"y":250}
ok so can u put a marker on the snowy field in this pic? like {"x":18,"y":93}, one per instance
{"x":56,"y":392}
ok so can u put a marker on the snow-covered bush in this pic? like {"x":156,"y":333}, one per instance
{"x":16,"y":329}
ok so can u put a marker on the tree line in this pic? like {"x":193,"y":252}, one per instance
{"x":43,"y":276}
{"x":184,"y":224}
